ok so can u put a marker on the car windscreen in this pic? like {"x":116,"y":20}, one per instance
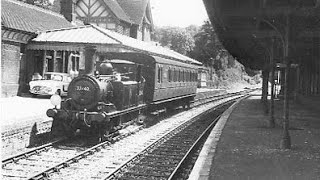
{"x":55,"y":77}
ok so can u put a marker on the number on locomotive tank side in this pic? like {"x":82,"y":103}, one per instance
{"x":81,"y":88}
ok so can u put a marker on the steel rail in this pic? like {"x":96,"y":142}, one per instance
{"x":89,"y":151}
{"x":163,"y":138}
{"x":160,"y":140}
{"x":198,"y":141}
{"x":193,"y":147}
{"x":74,"y":159}
{"x":27,"y":154}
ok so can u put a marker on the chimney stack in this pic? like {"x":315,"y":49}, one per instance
{"x":30,"y":2}
{"x":67,"y":9}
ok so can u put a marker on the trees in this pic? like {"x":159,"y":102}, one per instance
{"x":207,"y":45}
{"x":182,"y":42}
{"x":46,"y":4}
{"x":56,"y":6}
{"x":201,"y":43}
{"x":177,"y":39}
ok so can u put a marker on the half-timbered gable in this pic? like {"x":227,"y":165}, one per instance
{"x":128,"y":17}
{"x":103,"y":13}
{"x":139,"y":12}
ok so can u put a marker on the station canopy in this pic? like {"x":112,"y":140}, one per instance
{"x":76,"y":38}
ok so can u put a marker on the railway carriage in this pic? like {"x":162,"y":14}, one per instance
{"x":168,"y":82}
{"x":121,"y":88}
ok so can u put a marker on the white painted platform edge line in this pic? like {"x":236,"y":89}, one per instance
{"x":201,"y":169}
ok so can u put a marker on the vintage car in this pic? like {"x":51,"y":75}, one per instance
{"x":51,"y":83}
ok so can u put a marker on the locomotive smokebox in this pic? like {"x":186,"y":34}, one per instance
{"x":89,"y":52}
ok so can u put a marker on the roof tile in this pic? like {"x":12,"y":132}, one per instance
{"x":117,"y":10}
{"x":92,"y":34}
{"x":135,"y":9}
{"x":30,"y":18}
{"x":84,"y":34}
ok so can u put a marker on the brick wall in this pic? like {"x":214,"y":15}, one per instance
{"x":10,"y":67}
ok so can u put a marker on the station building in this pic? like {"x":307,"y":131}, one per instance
{"x":22,"y":22}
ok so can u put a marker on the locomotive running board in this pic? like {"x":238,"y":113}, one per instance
{"x":119,"y":113}
{"x":172,"y":99}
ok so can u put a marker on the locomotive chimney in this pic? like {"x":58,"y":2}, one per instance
{"x":89,"y":52}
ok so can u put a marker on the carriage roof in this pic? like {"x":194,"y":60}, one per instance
{"x":148,"y":60}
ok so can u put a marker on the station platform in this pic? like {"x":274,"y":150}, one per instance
{"x":242,"y":146}
{"x":18,"y":112}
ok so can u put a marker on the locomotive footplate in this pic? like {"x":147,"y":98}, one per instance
{"x":101,"y":117}
{"x":125,"y":111}
{"x":76,"y":120}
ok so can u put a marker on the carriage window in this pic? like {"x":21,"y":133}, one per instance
{"x":172,"y":74}
{"x":159,"y":74}
{"x":182,"y":75}
{"x":186,"y":76}
{"x":191,"y":77}
{"x":177,"y":75}
{"x":169,"y":75}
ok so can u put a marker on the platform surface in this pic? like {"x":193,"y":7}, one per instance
{"x":17,"y":112}
{"x":246,"y":148}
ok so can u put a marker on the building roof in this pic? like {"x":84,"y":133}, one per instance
{"x":94,"y":35}
{"x":263,"y":30}
{"x":83,"y":34}
{"x":30,"y":18}
{"x":135,"y":9}
{"x":117,"y":10}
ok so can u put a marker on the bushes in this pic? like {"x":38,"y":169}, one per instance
{"x":228,"y":71}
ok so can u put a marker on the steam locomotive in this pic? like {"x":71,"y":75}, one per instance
{"x":120,"y":88}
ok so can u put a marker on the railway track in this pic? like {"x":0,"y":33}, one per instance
{"x":170,"y":156}
{"x":65,"y":161}
{"x":38,"y":163}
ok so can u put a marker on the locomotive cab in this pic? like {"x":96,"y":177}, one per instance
{"x":128,"y":84}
